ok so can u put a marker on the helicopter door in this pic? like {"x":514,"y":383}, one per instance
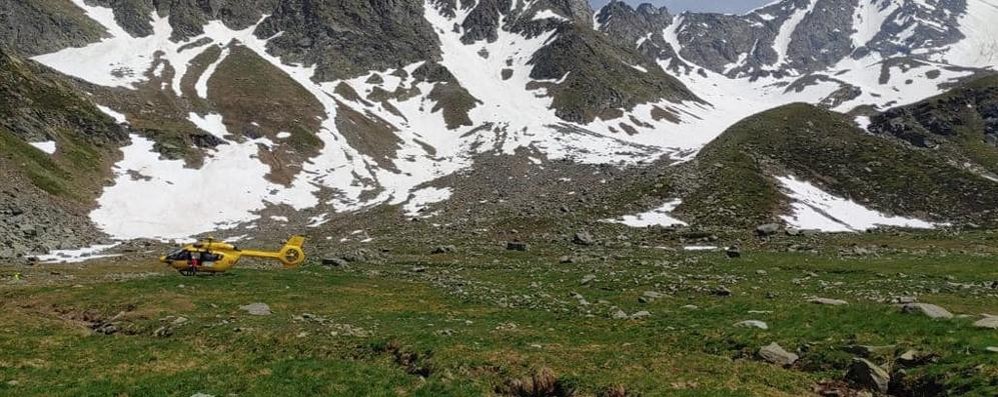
{"x":208,"y":259}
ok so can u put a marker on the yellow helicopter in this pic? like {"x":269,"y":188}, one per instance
{"x":210,"y":256}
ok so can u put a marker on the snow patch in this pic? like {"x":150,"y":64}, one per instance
{"x":78,"y":255}
{"x":816,"y":209}
{"x":661,"y":216}
{"x":120,"y":118}
{"x":420,"y":199}
{"x":863,"y":122}
{"x":700,"y":248}
{"x":868,"y":19}
{"x":47,"y":146}
{"x":160,"y":198}
{"x":202,"y":85}
{"x":782,"y":41}
{"x":548,"y":14}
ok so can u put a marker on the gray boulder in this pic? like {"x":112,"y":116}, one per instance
{"x":868,"y":375}
{"x":927,"y":309}
{"x":987,"y":322}
{"x":830,"y":302}
{"x":583,"y":238}
{"x":768,"y":229}
{"x":775,"y":354}
{"x":752,"y":324}
{"x":256,"y":309}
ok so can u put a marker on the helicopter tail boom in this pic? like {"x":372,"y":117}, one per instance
{"x":291,"y":254}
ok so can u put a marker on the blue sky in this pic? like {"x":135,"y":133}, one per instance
{"x":675,"y":6}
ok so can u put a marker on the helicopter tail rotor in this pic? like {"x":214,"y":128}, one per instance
{"x":293,"y":253}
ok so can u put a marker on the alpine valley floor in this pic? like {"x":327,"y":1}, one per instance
{"x":607,"y":319}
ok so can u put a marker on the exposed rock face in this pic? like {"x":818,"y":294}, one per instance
{"x":596,"y":87}
{"x":630,"y":25}
{"x":39,"y":27}
{"x":349,"y":38}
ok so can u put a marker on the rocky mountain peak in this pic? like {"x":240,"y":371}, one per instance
{"x":619,"y":19}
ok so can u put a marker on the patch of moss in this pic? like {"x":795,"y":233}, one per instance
{"x":303,"y":140}
{"x":38,"y":166}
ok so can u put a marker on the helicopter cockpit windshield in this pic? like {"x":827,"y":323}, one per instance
{"x":179,"y":254}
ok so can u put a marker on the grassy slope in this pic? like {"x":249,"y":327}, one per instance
{"x":36,"y":104}
{"x":465,"y":324}
{"x":827,"y":149}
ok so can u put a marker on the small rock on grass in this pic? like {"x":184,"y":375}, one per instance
{"x":768,"y":229}
{"x":775,"y":354}
{"x":583,"y":238}
{"x":517,"y":246}
{"x":992,"y":349}
{"x":927,"y":309}
{"x":443,"y":249}
{"x":752,"y":324}
{"x":721,"y":291}
{"x":868,"y":375}
{"x":649,"y":297}
{"x":257,"y":309}
{"x":830,"y":302}
{"x":913,"y":358}
{"x":640,"y":315}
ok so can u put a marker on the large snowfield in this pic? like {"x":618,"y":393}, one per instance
{"x":230,"y":188}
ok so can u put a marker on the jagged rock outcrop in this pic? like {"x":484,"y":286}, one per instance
{"x":961,"y":124}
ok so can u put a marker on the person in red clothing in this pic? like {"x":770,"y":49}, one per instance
{"x":195,"y":260}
